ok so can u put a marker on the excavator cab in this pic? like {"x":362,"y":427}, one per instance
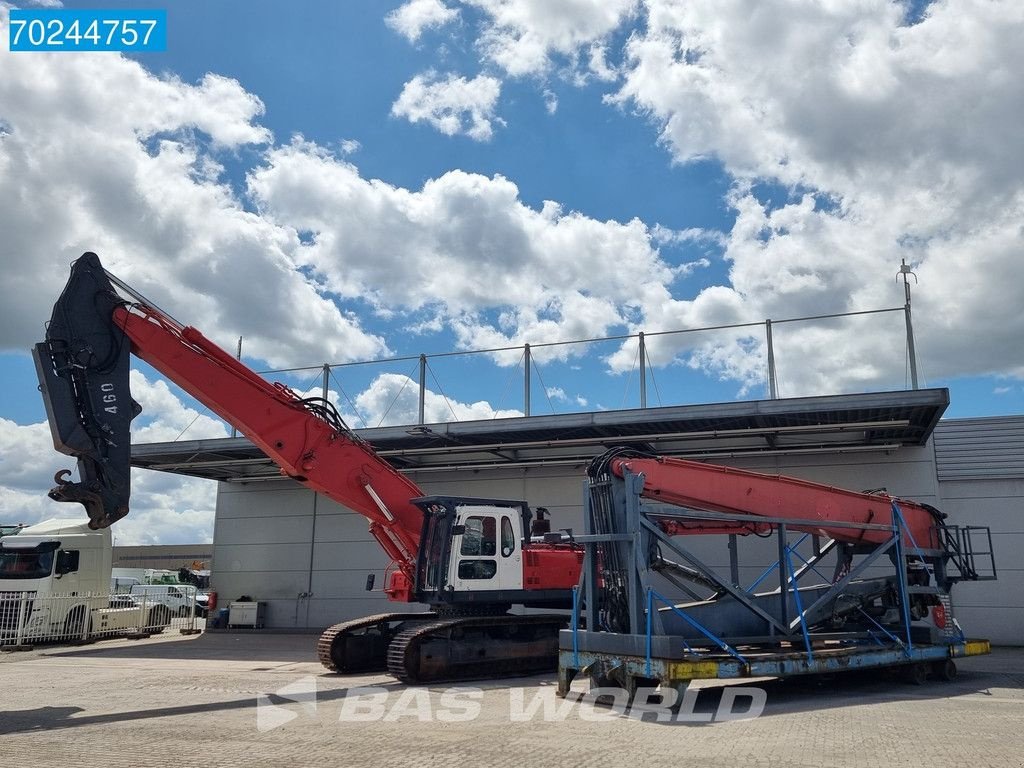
{"x":471,"y":550}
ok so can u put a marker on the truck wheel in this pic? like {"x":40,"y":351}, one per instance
{"x":76,"y":624}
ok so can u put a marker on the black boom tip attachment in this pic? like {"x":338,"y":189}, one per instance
{"x":83,"y":369}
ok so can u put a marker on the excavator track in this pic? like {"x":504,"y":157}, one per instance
{"x":361,"y":645}
{"x":475,"y":647}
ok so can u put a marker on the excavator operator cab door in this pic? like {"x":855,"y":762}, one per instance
{"x":486,"y":550}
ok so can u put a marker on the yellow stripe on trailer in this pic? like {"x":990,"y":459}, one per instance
{"x":976,"y":648}
{"x":692,"y":670}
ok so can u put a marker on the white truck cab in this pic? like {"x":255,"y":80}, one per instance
{"x":55,"y":582}
{"x":56,"y":557}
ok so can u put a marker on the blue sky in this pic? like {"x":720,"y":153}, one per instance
{"x":347,"y":181}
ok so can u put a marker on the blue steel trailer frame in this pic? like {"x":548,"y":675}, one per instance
{"x":678,"y":673}
{"x":738,"y":633}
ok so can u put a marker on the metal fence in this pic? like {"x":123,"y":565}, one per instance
{"x":28,"y":618}
{"x":758,"y":338}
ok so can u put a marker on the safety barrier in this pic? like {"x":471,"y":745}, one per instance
{"x":755,"y":338}
{"x":28,"y":619}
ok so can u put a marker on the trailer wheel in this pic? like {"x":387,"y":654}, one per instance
{"x":944,"y":670}
{"x":916,"y":674}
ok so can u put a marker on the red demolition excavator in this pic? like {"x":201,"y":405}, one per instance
{"x":468,"y":559}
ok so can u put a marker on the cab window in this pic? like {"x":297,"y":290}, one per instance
{"x":477,"y":569}
{"x":479,"y":540}
{"x":508,"y":537}
{"x":480,"y":537}
{"x":25,"y":565}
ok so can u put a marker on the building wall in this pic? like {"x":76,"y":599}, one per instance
{"x":163,"y":556}
{"x":309,"y":557}
{"x":980,"y":468}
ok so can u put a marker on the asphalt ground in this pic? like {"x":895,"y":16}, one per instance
{"x":227,"y":699}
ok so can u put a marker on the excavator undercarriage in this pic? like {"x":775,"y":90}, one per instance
{"x":431,"y":647}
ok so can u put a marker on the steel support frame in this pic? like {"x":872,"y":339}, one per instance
{"x":841,"y":585}
{"x":738,"y":593}
{"x":641,"y":532}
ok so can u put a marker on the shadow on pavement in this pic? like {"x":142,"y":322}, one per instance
{"x":219,"y":646}
{"x":58,"y":718}
{"x":783,"y":697}
{"x":1003,"y":670}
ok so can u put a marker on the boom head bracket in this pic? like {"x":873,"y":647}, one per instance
{"x":83,"y":369}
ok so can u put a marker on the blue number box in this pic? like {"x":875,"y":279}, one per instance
{"x":60,"y":29}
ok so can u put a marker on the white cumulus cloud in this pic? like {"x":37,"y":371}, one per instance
{"x":451,"y":104}
{"x":522,"y":36}
{"x":901,"y":137}
{"x":856,"y":135}
{"x":165,"y":508}
{"x":393,"y":399}
{"x":415,"y":16}
{"x":97,"y":153}
{"x":461,"y":249}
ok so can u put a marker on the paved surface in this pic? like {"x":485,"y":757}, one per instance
{"x":234,"y":699}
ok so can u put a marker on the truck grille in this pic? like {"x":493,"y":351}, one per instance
{"x":10,"y":609}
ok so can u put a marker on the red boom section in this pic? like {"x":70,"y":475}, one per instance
{"x":305,"y":446}
{"x":715,"y":488}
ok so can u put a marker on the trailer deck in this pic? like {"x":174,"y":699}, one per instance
{"x":829,"y":658}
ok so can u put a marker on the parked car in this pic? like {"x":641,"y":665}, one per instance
{"x":122,"y":585}
{"x":179,"y":598}
{"x":122,"y":600}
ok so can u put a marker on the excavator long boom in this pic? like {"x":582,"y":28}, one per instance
{"x":715,"y":488}
{"x":83,"y":371}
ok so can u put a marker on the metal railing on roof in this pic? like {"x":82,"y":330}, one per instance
{"x":642,"y":338}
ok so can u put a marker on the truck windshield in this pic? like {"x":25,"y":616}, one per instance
{"x":25,"y":565}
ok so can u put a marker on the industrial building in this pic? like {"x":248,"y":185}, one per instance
{"x":309,"y":557}
{"x":163,"y":556}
